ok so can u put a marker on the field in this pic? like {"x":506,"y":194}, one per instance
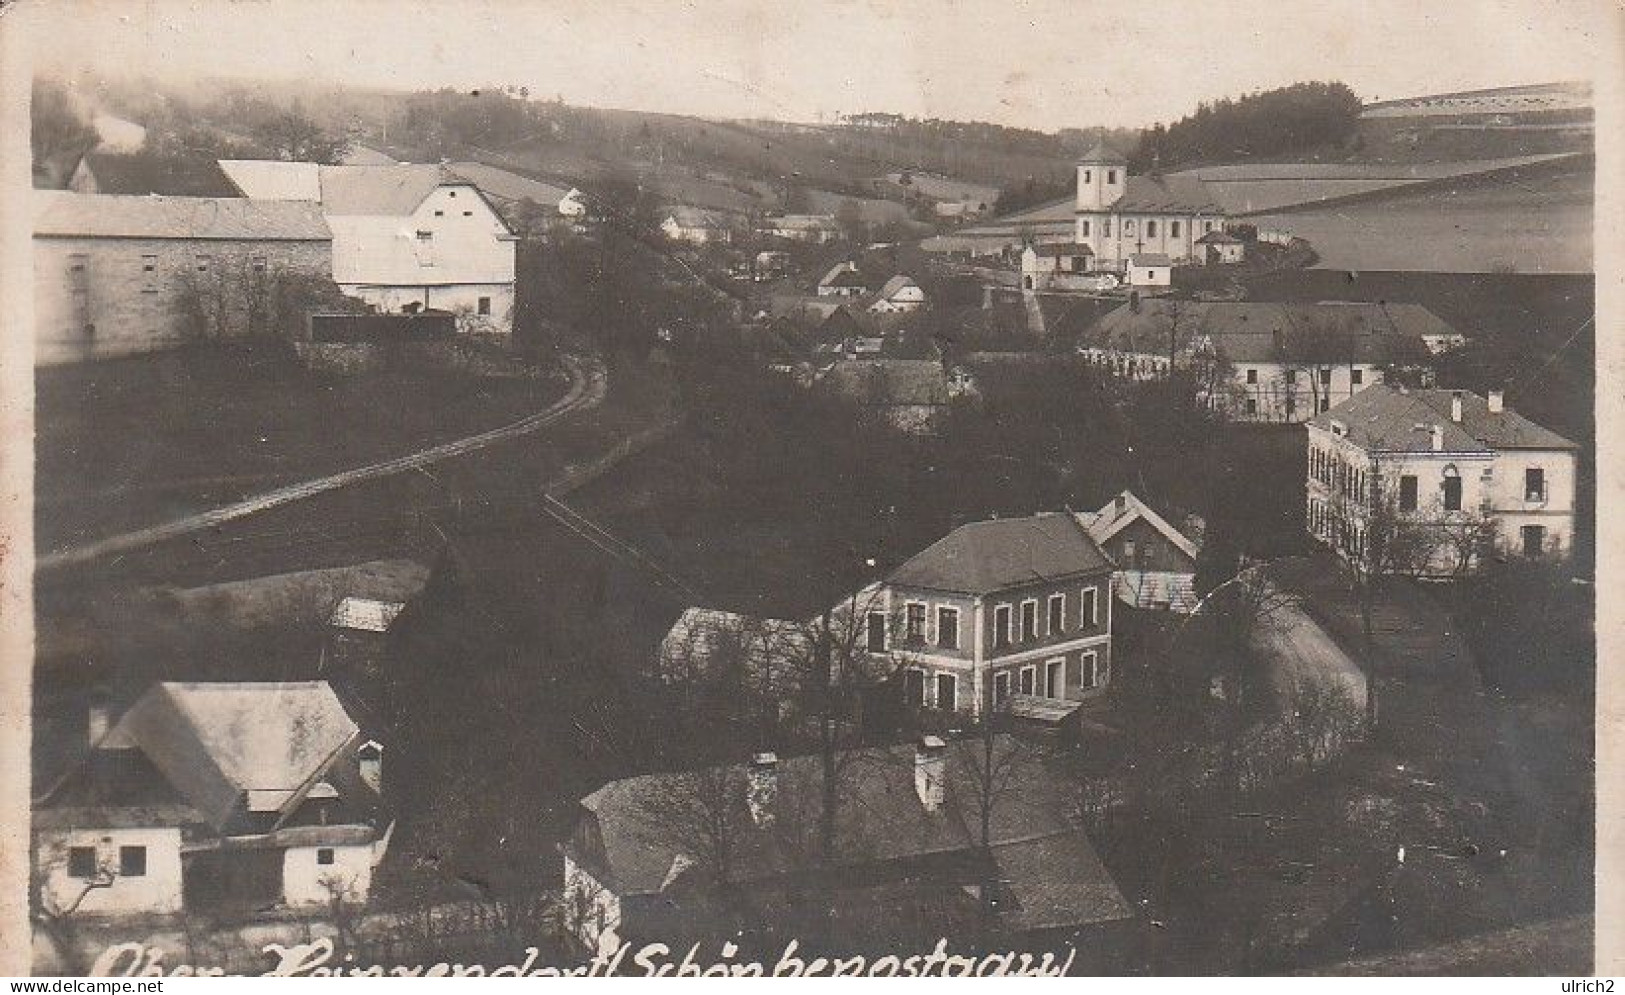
{"x":130,"y":442}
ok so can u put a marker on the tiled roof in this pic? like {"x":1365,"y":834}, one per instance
{"x":67,"y":215}
{"x":1101,"y":152}
{"x":1249,"y":332}
{"x":880,"y":819}
{"x":1386,"y":419}
{"x":391,"y":191}
{"x":1047,"y":249}
{"x":169,"y":176}
{"x":272,"y":179}
{"x":221,"y":743}
{"x":1218,"y":237}
{"x":695,"y":217}
{"x":1125,"y":509}
{"x":890,"y":288}
{"x":1172,"y":193}
{"x":1149,"y":259}
{"x":1002,"y":553}
{"x":504,"y":185}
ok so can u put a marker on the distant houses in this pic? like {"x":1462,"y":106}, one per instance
{"x":115,"y":275}
{"x":406,"y":237}
{"x":696,"y":226}
{"x":896,"y":295}
{"x":215,"y":797}
{"x":815,"y":228}
{"x":911,"y":394}
{"x":842,"y":280}
{"x":1432,"y":482}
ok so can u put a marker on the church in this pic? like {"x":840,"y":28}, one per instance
{"x":1118,"y":215}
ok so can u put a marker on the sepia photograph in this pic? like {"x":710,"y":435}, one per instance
{"x":739,"y":488}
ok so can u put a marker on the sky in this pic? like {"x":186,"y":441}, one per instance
{"x":1044,"y":64}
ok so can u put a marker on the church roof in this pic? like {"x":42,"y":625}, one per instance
{"x":1101,"y":152}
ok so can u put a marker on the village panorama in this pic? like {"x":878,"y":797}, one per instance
{"x":480,"y":527}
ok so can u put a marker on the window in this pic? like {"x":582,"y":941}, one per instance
{"x":1106,"y":227}
{"x":1111,"y":176}
{"x":451,"y":193}
{"x":484,"y":305}
{"x":914,"y":623}
{"x":324,"y":856}
{"x":1452,"y":493}
{"x":79,"y":262}
{"x":1252,"y":406}
{"x":132,"y":861}
{"x":81,"y":861}
{"x":877,"y":632}
{"x":1534,"y":484}
{"x":1091,"y":669}
{"x":947,"y":692}
{"x":948,"y":628}
{"x":1001,"y":686}
{"x":1207,"y":226}
{"x":440,"y":214}
{"x":1150,"y":229}
{"x":468,"y":214}
{"x":1326,"y":375}
{"x":425,"y":236}
{"x":1252,"y":376}
{"x":1128,"y":226}
{"x":1534,"y":540}
{"x":1083,"y":228}
{"x":1001,"y":627}
{"x":914,"y":687}
{"x":1173,"y":228}
{"x":149,"y":263}
{"x":1324,"y":405}
{"x":1407,"y":493}
{"x":203,"y":264}
{"x":1029,"y":621}
{"x":1029,"y":679}
{"x":1057,"y":613}
{"x":1088,"y":176}
{"x":1130,"y":551}
{"x":1291,"y":376}
{"x":1055,"y":677}
{"x":1089,"y":609}
{"x":1356,"y":376}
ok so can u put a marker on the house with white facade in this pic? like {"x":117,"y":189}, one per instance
{"x":1156,"y":563}
{"x":406,"y":238}
{"x":696,"y":226}
{"x":1269,"y":362}
{"x":897,"y":295}
{"x":231,"y":797}
{"x":1219,"y":247}
{"x":1445,"y":477}
{"x":1149,"y":269}
{"x":1118,"y":215}
{"x":815,"y":228}
{"x":1008,"y":613}
{"x":842,"y":280}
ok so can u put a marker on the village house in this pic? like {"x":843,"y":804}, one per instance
{"x":842,"y":280}
{"x":1118,"y":215}
{"x":1156,"y":563}
{"x":406,"y":238}
{"x":912,"y":394}
{"x":1221,"y":248}
{"x":1267,"y":362}
{"x":897,"y":295}
{"x":1149,"y":269}
{"x":1061,"y":266}
{"x":115,"y":275}
{"x":695,"y":226}
{"x":1008,"y":612}
{"x":668,"y":856}
{"x":816,"y":228}
{"x":1446,"y":475}
{"x":227,"y":797}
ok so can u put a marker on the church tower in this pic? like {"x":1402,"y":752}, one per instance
{"x":1102,"y":173}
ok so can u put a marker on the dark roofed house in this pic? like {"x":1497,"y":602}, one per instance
{"x":1009,"y":613}
{"x":139,"y":174}
{"x":227,"y":795}
{"x":910,"y":393}
{"x":645,"y":860}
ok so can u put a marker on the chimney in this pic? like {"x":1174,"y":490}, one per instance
{"x":762,"y":787}
{"x":370,"y":764}
{"x":929,"y":764}
{"x":1121,"y":504}
{"x":1438,"y":437}
{"x":1497,"y":401}
{"x":1455,"y":407}
{"x":98,"y":719}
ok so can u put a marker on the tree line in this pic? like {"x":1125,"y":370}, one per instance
{"x":1285,"y":121}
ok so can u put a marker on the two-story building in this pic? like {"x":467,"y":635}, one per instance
{"x":1446,"y":476}
{"x":1000,"y":609}
{"x":1118,"y":215}
{"x":407,"y":237}
{"x":214,"y":796}
{"x":115,"y":275}
{"x":1270,"y":362}
{"x":1156,"y":563}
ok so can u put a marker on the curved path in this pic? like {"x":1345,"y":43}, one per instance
{"x":588,"y":385}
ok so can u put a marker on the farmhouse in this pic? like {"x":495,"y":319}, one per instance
{"x":815,"y":228}
{"x":842,"y":280}
{"x":912,"y":394}
{"x":1268,"y":362}
{"x":666,"y":856}
{"x":115,"y":275}
{"x":1156,"y":563}
{"x":695,"y":226}
{"x":1011,"y":612}
{"x":1118,"y":215}
{"x":1221,"y":247}
{"x":406,"y":237}
{"x":898,"y":294}
{"x":1443,"y":477}
{"x":214,"y":797}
